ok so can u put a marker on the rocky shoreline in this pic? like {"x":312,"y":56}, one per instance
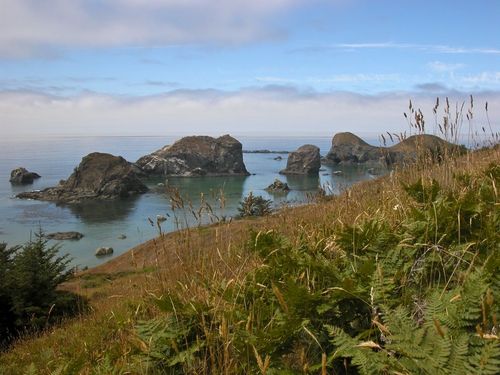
{"x":102,"y":176}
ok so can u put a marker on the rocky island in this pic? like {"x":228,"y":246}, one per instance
{"x":348,"y":148}
{"x":196,"y":156}
{"x":99,"y":176}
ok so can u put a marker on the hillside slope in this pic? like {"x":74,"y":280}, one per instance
{"x":210,"y":267}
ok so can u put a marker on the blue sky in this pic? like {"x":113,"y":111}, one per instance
{"x":239,"y":66}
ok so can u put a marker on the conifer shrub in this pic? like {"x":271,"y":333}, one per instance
{"x":254,"y":206}
{"x":29,"y":297}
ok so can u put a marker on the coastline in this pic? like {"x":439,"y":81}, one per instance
{"x":123,"y":291}
{"x":154,"y":251}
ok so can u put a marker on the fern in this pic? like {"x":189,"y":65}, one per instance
{"x":436,"y":346}
{"x":485,"y":359}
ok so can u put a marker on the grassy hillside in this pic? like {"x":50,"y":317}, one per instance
{"x":395,"y":275}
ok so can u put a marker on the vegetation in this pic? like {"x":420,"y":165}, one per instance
{"x":398,"y":275}
{"x":253,"y":205}
{"x":29,"y":299}
{"x":417,"y":295}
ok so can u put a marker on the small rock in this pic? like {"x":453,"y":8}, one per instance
{"x":325,"y":174}
{"x":373,"y":171}
{"x":102,"y":251}
{"x":22,"y":176}
{"x":278,"y":158}
{"x":336,"y":173}
{"x":160,"y":218}
{"x":122,"y":236}
{"x":61,"y":236}
{"x":160,"y":184}
{"x":278,"y":187}
{"x":197,"y":172}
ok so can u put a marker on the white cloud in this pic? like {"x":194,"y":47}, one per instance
{"x":34,"y":27}
{"x":481,"y":78}
{"x":273,"y":110}
{"x":442,"y":67}
{"x":335,"y":78}
{"x":434,"y":48}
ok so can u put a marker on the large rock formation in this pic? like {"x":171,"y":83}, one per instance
{"x":305,"y":160}
{"x":196,"y":156}
{"x":99,"y":176}
{"x":21,"y":176}
{"x":424,"y":145}
{"x":348,"y":148}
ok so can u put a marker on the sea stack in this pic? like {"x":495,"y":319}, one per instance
{"x":348,"y":148}
{"x":196,"y":156}
{"x":306,"y":160}
{"x":21,"y":176}
{"x":99,"y":176}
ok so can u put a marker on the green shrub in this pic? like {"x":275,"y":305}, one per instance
{"x":254,"y":206}
{"x":29,"y":277}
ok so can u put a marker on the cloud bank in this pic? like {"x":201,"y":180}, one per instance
{"x":273,"y":110}
{"x":34,"y":27}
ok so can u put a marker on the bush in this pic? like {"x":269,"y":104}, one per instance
{"x":7,"y":316}
{"x":29,"y":299}
{"x":254,"y":206}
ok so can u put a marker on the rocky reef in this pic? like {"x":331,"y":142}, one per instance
{"x":63,"y":236}
{"x":196,"y":156}
{"x":99,"y":176}
{"x":348,"y":148}
{"x":306,"y":160}
{"x":278,"y":187}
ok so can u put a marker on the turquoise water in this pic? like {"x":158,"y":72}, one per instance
{"x":103,"y":222}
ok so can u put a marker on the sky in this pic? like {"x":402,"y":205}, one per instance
{"x":245,"y":67}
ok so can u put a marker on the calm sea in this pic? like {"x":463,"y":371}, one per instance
{"x":102,"y":223}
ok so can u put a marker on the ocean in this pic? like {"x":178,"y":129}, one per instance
{"x":105,"y":223}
